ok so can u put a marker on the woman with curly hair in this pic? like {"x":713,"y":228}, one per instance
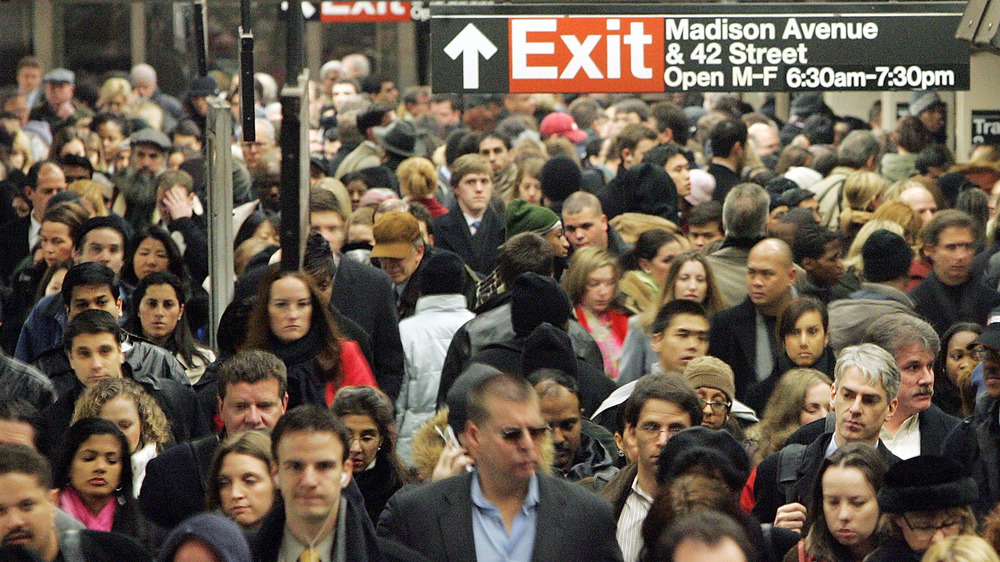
{"x":290,"y":319}
{"x":368,"y":414}
{"x":137,"y":415}
{"x":592,"y":284}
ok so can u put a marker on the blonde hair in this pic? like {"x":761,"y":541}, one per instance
{"x":961,"y":548}
{"x":417,"y":177}
{"x":112,"y":88}
{"x":155,"y":428}
{"x":861,"y":189}
{"x":581,"y":265}
{"x":92,"y":192}
{"x":782,"y":414}
{"x":901,"y":214}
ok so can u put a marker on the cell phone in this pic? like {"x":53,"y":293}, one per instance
{"x":448,"y":435}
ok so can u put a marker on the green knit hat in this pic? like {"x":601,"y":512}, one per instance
{"x":525,"y":217}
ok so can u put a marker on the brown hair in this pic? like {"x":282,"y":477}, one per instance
{"x":254,"y":443}
{"x":259,"y":334}
{"x":155,"y":427}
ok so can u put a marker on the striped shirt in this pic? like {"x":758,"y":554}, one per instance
{"x":634,"y":512}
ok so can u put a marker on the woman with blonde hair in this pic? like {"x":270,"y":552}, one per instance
{"x":901,"y":214}
{"x":92,"y":195}
{"x":127,"y":405}
{"x":963,"y":548}
{"x":114,"y":96}
{"x":418,"y":181}
{"x":800,"y":397}
{"x":689,"y":277}
{"x":863,"y":193}
{"x":592,"y":284}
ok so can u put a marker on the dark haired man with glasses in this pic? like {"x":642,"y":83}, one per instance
{"x":975,"y":443}
{"x":505,"y":509}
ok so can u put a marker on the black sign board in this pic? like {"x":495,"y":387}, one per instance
{"x":697,"y":47}
{"x":986,"y":127}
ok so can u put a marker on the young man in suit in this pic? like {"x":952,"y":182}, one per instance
{"x":471,"y":228}
{"x":505,"y":509}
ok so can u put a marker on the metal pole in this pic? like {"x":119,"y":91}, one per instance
{"x":294,"y":190}
{"x":295,"y":58}
{"x":219,"y":173}
{"x":246,"y":85}
{"x":201,"y":36}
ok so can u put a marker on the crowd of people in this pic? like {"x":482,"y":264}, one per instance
{"x":526,"y":327}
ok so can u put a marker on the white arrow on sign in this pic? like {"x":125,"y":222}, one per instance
{"x":308,"y":10}
{"x":469,"y":44}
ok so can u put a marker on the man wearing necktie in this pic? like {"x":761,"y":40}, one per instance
{"x":472,"y":228}
{"x":314,"y":521}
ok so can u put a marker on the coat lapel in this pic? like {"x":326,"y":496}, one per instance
{"x":455,"y":521}
{"x":550,"y":531}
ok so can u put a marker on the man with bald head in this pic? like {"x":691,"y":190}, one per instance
{"x":921,"y":200}
{"x":744,"y":336}
{"x":765,"y":138}
{"x":18,"y":236}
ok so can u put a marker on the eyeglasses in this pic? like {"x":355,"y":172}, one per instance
{"x":655,"y":430}
{"x":930,"y":529}
{"x":513,"y":434}
{"x":717,"y":407}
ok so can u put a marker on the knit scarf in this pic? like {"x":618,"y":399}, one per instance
{"x":71,"y":502}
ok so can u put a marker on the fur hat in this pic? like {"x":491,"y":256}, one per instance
{"x":711,"y":372}
{"x":926,"y":483}
{"x":701,"y":446}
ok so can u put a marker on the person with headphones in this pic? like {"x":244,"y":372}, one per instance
{"x":314,"y":522}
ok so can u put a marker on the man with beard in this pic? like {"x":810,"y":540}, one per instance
{"x":28,"y":507}
{"x":137,"y":189}
{"x":579,"y":455}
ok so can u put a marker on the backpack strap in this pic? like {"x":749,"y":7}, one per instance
{"x":789,"y":461}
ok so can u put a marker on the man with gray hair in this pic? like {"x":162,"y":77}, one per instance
{"x":918,"y":427}
{"x":859,"y":150}
{"x":744,"y":219}
{"x":866,"y":381}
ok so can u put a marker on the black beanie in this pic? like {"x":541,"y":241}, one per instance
{"x":885,"y":256}
{"x":549,"y":347}
{"x":926,"y":483}
{"x":704,"y":447}
{"x":441,"y":274}
{"x":536,"y":299}
{"x":561,"y":177}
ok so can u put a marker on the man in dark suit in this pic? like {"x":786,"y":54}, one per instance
{"x":866,"y":381}
{"x":472,"y":229}
{"x":505,"y":509}
{"x":45,"y":179}
{"x":736,"y":331}
{"x":253,"y":394}
{"x":729,"y":143}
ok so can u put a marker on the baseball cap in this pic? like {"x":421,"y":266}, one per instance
{"x":562,"y":124}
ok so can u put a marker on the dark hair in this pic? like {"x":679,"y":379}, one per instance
{"x":495,"y":134}
{"x":910,"y":134}
{"x":175,"y":260}
{"x":658,"y":386}
{"x":666,"y":314}
{"x":93,"y":223}
{"x":704,"y":526}
{"x":942,"y":220}
{"x":93,"y":322}
{"x":77,"y":160}
{"x":811,"y":241}
{"x":312,"y":418}
{"x":669,"y":116}
{"x":976,"y":204}
{"x":372,"y":402}
{"x":818,"y":129}
{"x":705,"y":213}
{"x":820,"y":543}
{"x":554,"y":376}
{"x":454,"y":99}
{"x":255,"y":443}
{"x":259,"y":336}
{"x":949,"y":396}
{"x":933,"y":156}
{"x":647,"y":246}
{"x":69,"y":213}
{"x":101,"y":118}
{"x":88,"y":274}
{"x":629,"y":138}
{"x":633,"y":105}
{"x":523,"y":253}
{"x":725,"y":135}
{"x":15,"y":409}
{"x":180,"y":340}
{"x":660,"y":154}
{"x":189,"y":128}
{"x":252,"y":366}
{"x":77,"y":434}
{"x":321,"y":200}
{"x":21,"y":459}
{"x":318,"y":259}
{"x":36,"y":169}
{"x":795,"y":310}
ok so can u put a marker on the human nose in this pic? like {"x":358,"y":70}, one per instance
{"x":237,"y":491}
{"x":938,"y":536}
{"x":856,"y":405}
{"x":355,"y":445}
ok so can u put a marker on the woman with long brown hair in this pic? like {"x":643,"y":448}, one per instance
{"x":289,"y":319}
